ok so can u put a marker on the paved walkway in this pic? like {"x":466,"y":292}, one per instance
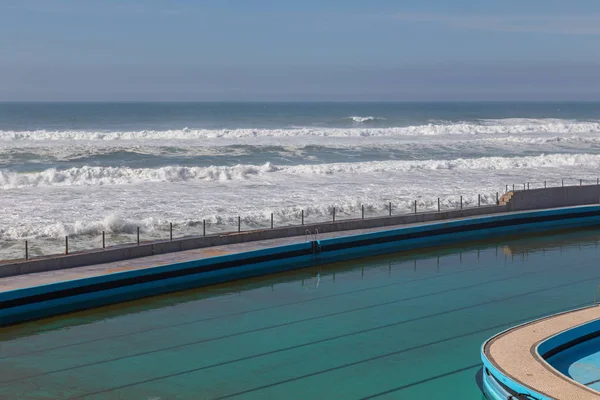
{"x":514,"y":354}
{"x":43,"y":278}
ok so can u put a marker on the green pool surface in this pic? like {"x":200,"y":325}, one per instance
{"x":403,"y":326}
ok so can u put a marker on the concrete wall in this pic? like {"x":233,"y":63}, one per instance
{"x":61,"y":297}
{"x":536,"y":199}
{"x":560,"y":341}
{"x":521,"y":200}
{"x":118,"y":253}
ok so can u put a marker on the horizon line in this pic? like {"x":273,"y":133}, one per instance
{"x":286,"y":101}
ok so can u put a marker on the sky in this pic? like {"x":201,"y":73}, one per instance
{"x":292,"y":50}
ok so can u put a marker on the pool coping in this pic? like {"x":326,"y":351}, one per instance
{"x":515,"y":357}
{"x":102,"y":287}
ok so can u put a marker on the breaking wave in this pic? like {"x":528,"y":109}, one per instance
{"x":96,"y":175}
{"x":92,"y":175}
{"x":491,"y":127}
{"x":157,"y":227}
{"x":365,"y":119}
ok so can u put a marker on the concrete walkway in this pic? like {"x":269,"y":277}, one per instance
{"x":514,"y":354}
{"x":43,"y":278}
{"x":62,"y":275}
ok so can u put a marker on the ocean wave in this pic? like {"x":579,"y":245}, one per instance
{"x":18,"y":152}
{"x":94,"y":175}
{"x":473,"y":164}
{"x":360,"y":120}
{"x":82,"y":152}
{"x":158,"y":227}
{"x":535,"y":140}
{"x":487,"y":127}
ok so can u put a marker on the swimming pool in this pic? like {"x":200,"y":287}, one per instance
{"x":406,"y":325}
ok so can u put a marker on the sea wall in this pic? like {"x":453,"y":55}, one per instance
{"x":42,"y":301}
{"x":567,"y":196}
{"x":125,"y":252}
{"x":535,"y":199}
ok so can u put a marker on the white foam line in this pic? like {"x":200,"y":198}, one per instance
{"x":508,"y":126}
{"x":95,"y":175}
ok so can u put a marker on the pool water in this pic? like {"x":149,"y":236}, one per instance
{"x":580,"y":362}
{"x":402,"y":326}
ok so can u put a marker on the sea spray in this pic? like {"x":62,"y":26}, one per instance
{"x":154,"y":227}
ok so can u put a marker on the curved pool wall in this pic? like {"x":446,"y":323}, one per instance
{"x":567,"y":339}
{"x":498,"y":386}
{"x":57,"y":298}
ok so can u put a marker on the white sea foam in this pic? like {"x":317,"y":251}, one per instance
{"x":300,"y":148}
{"x":50,"y":152}
{"x":489,"y":127}
{"x":111,"y":224}
{"x":107,"y":190}
{"x":92,"y":176}
{"x":541,"y":139}
{"x":97,"y":176}
{"x":358,"y":119}
{"x":154,"y":227}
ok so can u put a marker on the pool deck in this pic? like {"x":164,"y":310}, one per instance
{"x":68,"y":274}
{"x":514,"y":353}
{"x":62,"y":275}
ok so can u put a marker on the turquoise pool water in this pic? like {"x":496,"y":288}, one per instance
{"x":406,"y":326}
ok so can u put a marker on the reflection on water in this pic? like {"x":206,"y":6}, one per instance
{"x":406,"y":325}
{"x":576,"y":239}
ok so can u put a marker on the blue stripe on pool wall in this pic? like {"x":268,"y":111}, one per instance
{"x":40,"y":301}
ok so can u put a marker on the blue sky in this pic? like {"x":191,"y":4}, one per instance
{"x":299,"y":50}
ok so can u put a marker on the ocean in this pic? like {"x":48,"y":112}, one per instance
{"x":77,"y":169}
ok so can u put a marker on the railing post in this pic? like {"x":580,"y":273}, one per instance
{"x":497,"y":198}
{"x":597,"y":181}
{"x":103,"y":240}
{"x":562,"y":182}
{"x":581,"y":182}
{"x":66,"y":245}
{"x":26,"y":250}
{"x":362,"y":211}
{"x":271,"y":220}
{"x":545,"y":185}
{"x":523,"y":186}
{"x":415,"y":206}
{"x":527,"y":185}
{"x":302,"y":217}
{"x":171,"y":231}
{"x":333,"y":214}
{"x":506,"y":191}
{"x":239,"y":223}
{"x":461,"y":202}
{"x":203,"y":227}
{"x":513,"y":187}
{"x":390,"y":208}
{"x":138,"y":235}
{"x":439,"y":208}
{"x":478,"y":200}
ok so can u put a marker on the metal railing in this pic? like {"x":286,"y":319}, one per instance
{"x":529,"y":185}
{"x":455,"y":203}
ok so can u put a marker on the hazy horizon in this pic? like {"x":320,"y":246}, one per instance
{"x":298,"y":101}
